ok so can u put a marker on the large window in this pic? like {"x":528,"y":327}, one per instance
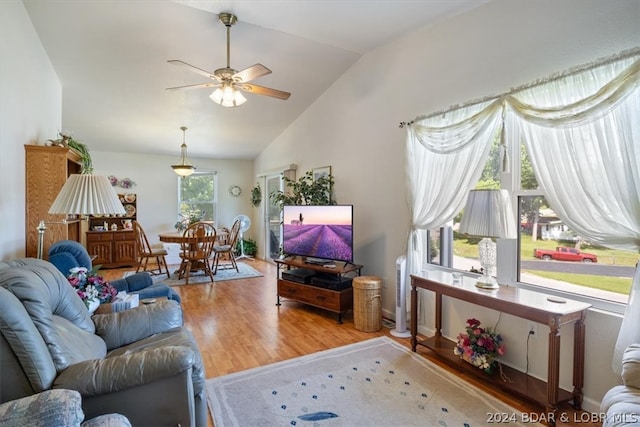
{"x":197,"y":195}
{"x":541,"y":236}
{"x":567,"y":154}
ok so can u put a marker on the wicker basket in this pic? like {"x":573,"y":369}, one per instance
{"x":367,"y":303}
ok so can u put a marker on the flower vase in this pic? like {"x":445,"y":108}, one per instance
{"x":93,"y":305}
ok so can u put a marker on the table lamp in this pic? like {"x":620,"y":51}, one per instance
{"x":83,"y":194}
{"x":488,"y":214}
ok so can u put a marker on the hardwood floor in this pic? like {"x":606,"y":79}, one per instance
{"x":238,"y":326}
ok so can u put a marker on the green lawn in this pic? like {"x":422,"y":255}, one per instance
{"x":621,"y":285}
{"x":463,"y":248}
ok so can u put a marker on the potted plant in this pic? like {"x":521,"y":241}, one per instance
{"x":256,"y":196}
{"x":249,"y":245}
{"x":305,"y":191}
{"x":86,"y":164}
{"x":187,"y":218}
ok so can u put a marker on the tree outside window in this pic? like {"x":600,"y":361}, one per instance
{"x":608,"y":279}
{"x":197,"y":196}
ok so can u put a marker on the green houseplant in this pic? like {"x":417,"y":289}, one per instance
{"x":256,"y":196}
{"x":305,"y":191}
{"x":249,"y":245}
{"x":86,"y":164}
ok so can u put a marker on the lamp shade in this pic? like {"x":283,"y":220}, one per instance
{"x":87,"y":195}
{"x":488,"y":213}
{"x":183,"y":170}
{"x":228,"y":96}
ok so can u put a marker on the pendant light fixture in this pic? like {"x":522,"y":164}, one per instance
{"x":184,"y":168}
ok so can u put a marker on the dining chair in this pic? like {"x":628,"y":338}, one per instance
{"x":146,"y":252}
{"x":199,"y":239}
{"x":220,"y":251}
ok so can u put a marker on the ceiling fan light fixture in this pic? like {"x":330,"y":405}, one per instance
{"x":184,"y":168}
{"x":228,"y":96}
{"x":227,"y":80}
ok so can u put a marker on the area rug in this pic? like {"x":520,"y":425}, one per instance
{"x":377,"y":382}
{"x":196,"y":277}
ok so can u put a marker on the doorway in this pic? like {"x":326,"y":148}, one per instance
{"x":273,"y":217}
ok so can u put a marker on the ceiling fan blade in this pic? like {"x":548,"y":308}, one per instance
{"x":192,"y":68}
{"x":251,"y":73}
{"x":196,"y":86}
{"x":261,"y":90}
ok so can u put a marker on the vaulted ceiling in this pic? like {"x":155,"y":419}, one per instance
{"x":111,"y":59}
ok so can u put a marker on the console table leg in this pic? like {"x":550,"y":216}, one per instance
{"x":553,"y":377}
{"x":438,"y":314}
{"x":578,"y":362}
{"x":414,"y":316}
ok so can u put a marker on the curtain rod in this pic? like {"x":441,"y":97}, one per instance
{"x":555,"y":76}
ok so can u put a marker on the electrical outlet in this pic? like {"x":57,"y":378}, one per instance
{"x":533,"y":329}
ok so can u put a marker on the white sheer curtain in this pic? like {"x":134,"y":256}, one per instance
{"x":445,"y":156}
{"x":585,"y":150}
{"x":582,"y":132}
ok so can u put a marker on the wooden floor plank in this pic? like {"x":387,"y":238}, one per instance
{"x":238,"y":326}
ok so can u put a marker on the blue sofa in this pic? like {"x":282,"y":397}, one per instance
{"x":67,"y":254}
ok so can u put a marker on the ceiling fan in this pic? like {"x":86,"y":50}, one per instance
{"x":227,"y":81}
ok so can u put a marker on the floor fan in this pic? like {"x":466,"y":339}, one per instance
{"x":245,"y":223}
{"x":401,"y":299}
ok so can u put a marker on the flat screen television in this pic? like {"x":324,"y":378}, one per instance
{"x":318,"y":232}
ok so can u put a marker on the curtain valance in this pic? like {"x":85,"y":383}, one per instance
{"x":582,"y":133}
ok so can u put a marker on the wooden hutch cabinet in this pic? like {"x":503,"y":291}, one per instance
{"x":112,"y":248}
{"x":109,"y":241}
{"x":46,"y":171}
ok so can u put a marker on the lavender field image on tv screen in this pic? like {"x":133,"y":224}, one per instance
{"x":319,"y":231}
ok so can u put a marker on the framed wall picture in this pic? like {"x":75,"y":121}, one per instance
{"x":324,"y":171}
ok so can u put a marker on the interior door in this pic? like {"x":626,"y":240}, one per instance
{"x":273,"y":217}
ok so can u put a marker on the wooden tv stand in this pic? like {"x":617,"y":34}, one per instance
{"x":337,"y":301}
{"x":523,"y":303}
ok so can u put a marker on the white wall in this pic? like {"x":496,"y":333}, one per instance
{"x":157,"y":186}
{"x":354,"y":128}
{"x":30,"y":113}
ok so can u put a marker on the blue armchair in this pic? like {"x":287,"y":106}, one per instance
{"x":67,"y":254}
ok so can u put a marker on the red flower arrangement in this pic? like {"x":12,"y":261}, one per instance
{"x":479,"y":346}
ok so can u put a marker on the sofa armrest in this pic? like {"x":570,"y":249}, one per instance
{"x":48,"y":408}
{"x":631,"y":366}
{"x":107,"y":420}
{"x":102,"y":376}
{"x":125,"y":327}
{"x":133,"y":283}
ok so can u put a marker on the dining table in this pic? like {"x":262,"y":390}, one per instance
{"x":176,"y":236}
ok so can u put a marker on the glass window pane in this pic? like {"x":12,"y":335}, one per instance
{"x":554,"y":256}
{"x":197,"y":195}
{"x":564,"y":260}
